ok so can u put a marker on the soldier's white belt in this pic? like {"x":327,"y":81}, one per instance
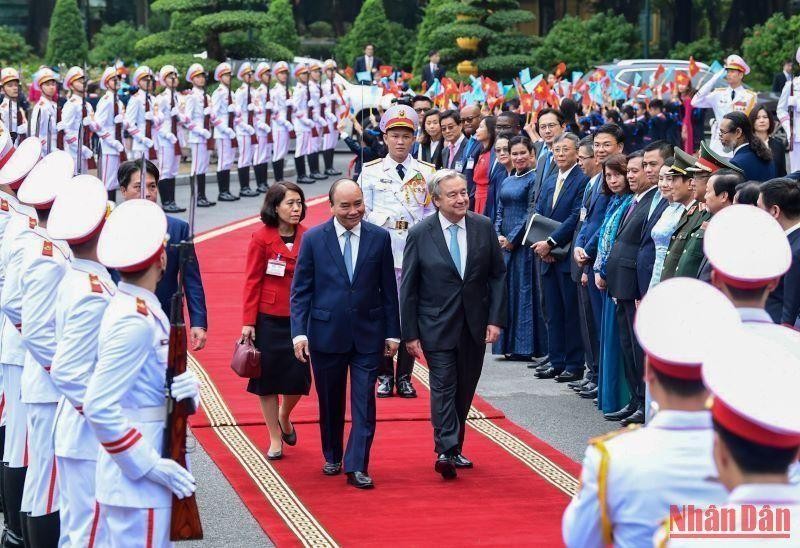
{"x":146,"y":414}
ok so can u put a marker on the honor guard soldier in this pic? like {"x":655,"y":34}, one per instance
{"x":124,"y":402}
{"x":224,"y":114}
{"x":282,"y":118}
{"x":16,"y":222}
{"x":334,"y":104}
{"x":76,"y":119}
{"x":245,"y":128}
{"x":77,"y":217}
{"x":169,"y":104}
{"x":677,"y":323}
{"x":47,"y":112}
{"x":42,"y":266}
{"x":109,"y":123}
{"x":304,"y":126}
{"x":748,"y":253}
{"x":263,"y":125}
{"x":197,"y":120}
{"x":396,"y":198}
{"x":314,"y":91}
{"x":756,"y":422}
{"x":725,"y":99}
{"x":789,"y":117}
{"x":142,"y":119}
{"x":11,"y":115}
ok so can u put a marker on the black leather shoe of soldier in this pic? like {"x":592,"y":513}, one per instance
{"x":226,"y":197}
{"x":172,"y":207}
{"x":262,"y":189}
{"x":204,"y":202}
{"x":249,"y":193}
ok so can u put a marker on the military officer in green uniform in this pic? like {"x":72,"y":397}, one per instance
{"x":706,"y":165}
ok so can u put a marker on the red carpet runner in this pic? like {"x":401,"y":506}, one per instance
{"x":515,"y":495}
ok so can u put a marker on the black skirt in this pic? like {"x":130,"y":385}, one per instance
{"x":281,"y":372}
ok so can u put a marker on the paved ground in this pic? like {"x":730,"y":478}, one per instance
{"x":548,"y":410}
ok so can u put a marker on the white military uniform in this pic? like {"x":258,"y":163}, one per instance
{"x":197,"y":104}
{"x":320,"y":123}
{"x":13,"y":118}
{"x":82,"y":299}
{"x":397,"y":204}
{"x":263,"y":152}
{"x":126,"y":409}
{"x":723,"y":100}
{"x":244,"y":131}
{"x":168,"y":104}
{"x":789,"y":100}
{"x":110,"y":112}
{"x":72,"y":118}
{"x":43,"y":123}
{"x":334,"y":107}
{"x":44,"y":263}
{"x":221,"y":107}
{"x":304,"y":126}
{"x":642,"y":472}
{"x":281,"y":123}
{"x":137,"y":115}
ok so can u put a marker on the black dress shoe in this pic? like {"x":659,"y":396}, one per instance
{"x":541,"y":360}
{"x":172,"y":207}
{"x":405,"y":389}
{"x":578,"y":385}
{"x":567,"y":376}
{"x":446,"y":466}
{"x":305,"y":180}
{"x":548,"y":373}
{"x":318,"y":176}
{"x":359,"y":480}
{"x":249,"y":193}
{"x":204,"y":202}
{"x":332,"y":172}
{"x":262,"y":189}
{"x":227,"y":197}
{"x":589,"y":394}
{"x":461,"y":461}
{"x":289,"y":439}
{"x":332,"y":468}
{"x":636,"y":418}
{"x":385,"y":385}
{"x":625,"y":412}
{"x":542,"y":367}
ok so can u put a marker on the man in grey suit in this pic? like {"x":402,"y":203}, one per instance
{"x":453,"y":295}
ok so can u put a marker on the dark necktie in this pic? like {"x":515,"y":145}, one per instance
{"x":733,"y":94}
{"x":401,"y":171}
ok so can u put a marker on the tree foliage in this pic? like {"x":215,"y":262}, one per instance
{"x":181,"y":62}
{"x":436,"y":15}
{"x":767,"y":46}
{"x":584,"y":43}
{"x":370,"y":27}
{"x":66,"y":40}
{"x":116,"y":41}
{"x":280,"y":28}
{"x":13,"y":48}
{"x":705,"y":49}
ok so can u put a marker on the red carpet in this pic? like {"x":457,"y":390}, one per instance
{"x":515,"y":495}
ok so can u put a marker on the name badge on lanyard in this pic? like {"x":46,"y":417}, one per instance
{"x":583,"y":214}
{"x":276,"y":267}
{"x":459,"y":166}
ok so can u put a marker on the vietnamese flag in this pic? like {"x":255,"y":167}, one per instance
{"x":526,"y":103}
{"x":659,"y":73}
{"x":693,"y":68}
{"x":542,"y":90}
{"x":681,"y":78}
{"x":406,"y":75}
{"x":561,"y":69}
{"x":349,"y":72}
{"x":385,"y":71}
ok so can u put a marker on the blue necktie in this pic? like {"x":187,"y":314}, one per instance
{"x":348,"y":255}
{"x":455,"y":250}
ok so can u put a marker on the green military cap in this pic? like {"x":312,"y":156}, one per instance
{"x":710,"y":161}
{"x":682,"y":164}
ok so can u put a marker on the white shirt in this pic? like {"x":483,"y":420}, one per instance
{"x":461,"y":237}
{"x":638,"y":198}
{"x":456,"y":147}
{"x":792,"y":229}
{"x":368,"y":62}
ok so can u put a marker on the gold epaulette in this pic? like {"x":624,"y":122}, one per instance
{"x":427,"y":164}
{"x":661,"y":537}
{"x":614,"y":434}
{"x":373,"y":162}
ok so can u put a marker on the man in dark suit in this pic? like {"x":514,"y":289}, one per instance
{"x":432,"y":70}
{"x":368,"y":63}
{"x":345,"y":313}
{"x":780,"y":79}
{"x":549,"y":125}
{"x":623,"y":285}
{"x":454,"y":303}
{"x":655,"y":154}
{"x":459,"y":151}
{"x":750,"y":154}
{"x":178,"y":230}
{"x":781,"y":199}
{"x":560,"y":201}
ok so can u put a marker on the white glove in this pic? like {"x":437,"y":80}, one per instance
{"x":251,"y":107}
{"x":87,"y":122}
{"x":228,"y":132}
{"x":263,"y":127}
{"x":323,"y":100}
{"x":205,"y":133}
{"x":331,"y":117}
{"x":312,"y":103}
{"x":792,"y":101}
{"x":206,"y":111}
{"x":60,"y":126}
{"x":147,"y":143}
{"x":176,"y":110}
{"x":231,"y":108}
{"x":173,"y":476}
{"x":184,"y":386}
{"x":148,"y":116}
{"x":287,"y":125}
{"x":170,"y":137}
{"x":250,"y":130}
{"x":86,"y":152}
{"x":119,"y":118}
{"x":268,"y":105}
{"x":116,"y":145}
{"x":720,"y":74}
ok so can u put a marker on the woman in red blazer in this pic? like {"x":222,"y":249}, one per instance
{"x":271,"y":260}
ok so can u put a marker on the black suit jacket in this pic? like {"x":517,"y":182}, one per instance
{"x":467,"y":156}
{"x":621,"y":273}
{"x":361,"y":66}
{"x":778,"y":81}
{"x":436,"y":301}
{"x":540,"y":176}
{"x":646,"y":258}
{"x":783,"y":304}
{"x":423,"y":153}
{"x":429,"y":76}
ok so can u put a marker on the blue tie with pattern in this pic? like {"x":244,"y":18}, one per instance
{"x":348,"y":255}
{"x":455,"y":250}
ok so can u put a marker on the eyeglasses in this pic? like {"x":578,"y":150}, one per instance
{"x":725,"y":131}
{"x":501,"y":149}
{"x":549,"y":126}
{"x":584,"y":158}
{"x":470,"y":119}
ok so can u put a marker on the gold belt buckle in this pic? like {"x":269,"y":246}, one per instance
{"x":401,"y":224}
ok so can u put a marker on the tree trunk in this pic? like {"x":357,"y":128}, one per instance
{"x":213,"y":47}
{"x":682,"y":22}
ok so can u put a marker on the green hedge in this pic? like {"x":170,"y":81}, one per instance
{"x":767,"y":46}
{"x":225,"y":21}
{"x":116,"y":41}
{"x":66,"y":41}
{"x":280,"y":28}
{"x":13,"y":48}
{"x":706,"y":49}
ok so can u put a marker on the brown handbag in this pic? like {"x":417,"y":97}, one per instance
{"x":246,"y":360}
